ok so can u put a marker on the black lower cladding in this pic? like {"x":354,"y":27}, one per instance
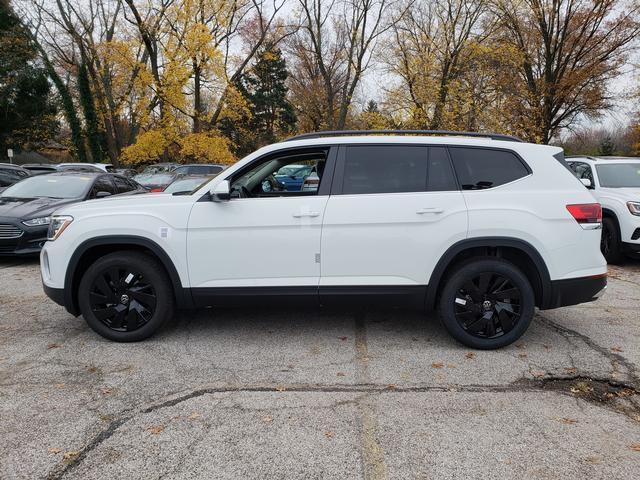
{"x":310,"y":296}
{"x":576,"y":290}
{"x":630,"y":247}
{"x":18,"y":239}
{"x":55,"y":294}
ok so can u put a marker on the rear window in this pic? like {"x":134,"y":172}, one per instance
{"x":480,"y":168}
{"x":385,"y":169}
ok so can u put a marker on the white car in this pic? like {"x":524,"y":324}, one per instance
{"x":615,"y":183}
{"x":482,"y":227}
{"x":105,"y":167}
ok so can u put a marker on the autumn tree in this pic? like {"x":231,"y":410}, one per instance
{"x":27,"y":112}
{"x":571,"y":50}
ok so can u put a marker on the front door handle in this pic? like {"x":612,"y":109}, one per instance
{"x":306,"y":214}
{"x":435,"y":210}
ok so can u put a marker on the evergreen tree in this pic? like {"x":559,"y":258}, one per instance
{"x":264,"y":87}
{"x":27,"y":113}
{"x":607,"y":147}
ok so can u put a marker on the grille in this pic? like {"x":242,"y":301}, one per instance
{"x":10,"y":231}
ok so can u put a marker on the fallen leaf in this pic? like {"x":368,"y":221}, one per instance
{"x":106,"y":391}
{"x":59,"y":385}
{"x":343,"y":338}
{"x":537,"y":373}
{"x":571,"y":370}
{"x":70,"y":455}
{"x":340,"y":374}
{"x":54,"y":450}
{"x":280,"y":388}
{"x":92,"y":369}
{"x":437,"y":365}
{"x":156,"y":430}
{"x":522,"y":355}
{"x":470,"y":355}
{"x":329,"y":434}
{"x":391,"y":387}
{"x":546,"y":347}
{"x":193,"y":416}
{"x":267,"y":419}
{"x":566,"y":421}
{"x":635,"y":447}
{"x":593,"y":460}
{"x":616,"y":349}
{"x":52,"y":345}
{"x":520,"y":345}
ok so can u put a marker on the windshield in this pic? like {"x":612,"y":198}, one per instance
{"x":154,"y":179}
{"x":186,"y":185}
{"x":619,"y":175}
{"x":198,"y":170}
{"x":289,"y":169}
{"x":61,"y":186}
{"x":152,"y":169}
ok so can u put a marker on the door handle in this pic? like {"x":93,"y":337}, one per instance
{"x":435,"y":210}
{"x":306,"y":214}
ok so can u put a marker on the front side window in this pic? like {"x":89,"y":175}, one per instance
{"x":384,"y":169}
{"x":481,"y":168}
{"x":103,"y":184}
{"x":265,"y":179}
{"x":619,"y":175}
{"x":123,"y":185}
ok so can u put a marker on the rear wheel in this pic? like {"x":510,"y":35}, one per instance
{"x":126,"y":296}
{"x":610,"y":244}
{"x":487,"y":303}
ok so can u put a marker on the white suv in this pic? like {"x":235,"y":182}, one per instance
{"x":615,"y":183}
{"x":483,"y":228}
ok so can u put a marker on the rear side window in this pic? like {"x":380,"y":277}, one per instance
{"x":480,"y":168}
{"x":385,"y":169}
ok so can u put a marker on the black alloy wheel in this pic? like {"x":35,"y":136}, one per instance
{"x":610,"y":244}
{"x":488,"y":305}
{"x":122,"y":299}
{"x":126,"y":296}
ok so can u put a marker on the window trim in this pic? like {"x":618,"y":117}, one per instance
{"x":508,"y":150}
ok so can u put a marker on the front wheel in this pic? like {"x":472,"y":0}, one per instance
{"x":486,"y":303}
{"x":126,"y":296}
{"x":610,"y":244}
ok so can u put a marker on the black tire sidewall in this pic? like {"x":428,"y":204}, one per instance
{"x":152,"y":271}
{"x":476,"y":267}
{"x":615,"y":248}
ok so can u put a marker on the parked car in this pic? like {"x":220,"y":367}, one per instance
{"x":127,"y":172}
{"x":293,"y":179}
{"x":187,"y":184}
{"x":155,"y":182}
{"x":39,"y":168}
{"x":482,"y":227}
{"x":159,"y":168}
{"x":105,"y":167}
{"x":199,"y":169}
{"x":15,"y":170}
{"x":615,"y":183}
{"x":10,"y":176}
{"x":27,"y":206}
{"x":86,"y":168}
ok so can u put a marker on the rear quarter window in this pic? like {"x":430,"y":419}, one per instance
{"x":482,"y":168}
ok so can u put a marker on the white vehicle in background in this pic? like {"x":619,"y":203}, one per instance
{"x":615,"y":183}
{"x":105,"y":167}
{"x":481,"y":227}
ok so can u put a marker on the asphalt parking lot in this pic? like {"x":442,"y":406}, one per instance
{"x":305,"y":394}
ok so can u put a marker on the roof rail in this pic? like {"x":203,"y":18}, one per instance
{"x":589,"y":157}
{"x":345,"y":133}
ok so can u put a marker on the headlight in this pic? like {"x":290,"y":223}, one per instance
{"x":634,"y":208}
{"x":36,"y":222}
{"x":58,"y":225}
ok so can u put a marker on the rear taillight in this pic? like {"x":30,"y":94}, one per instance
{"x":156,"y":190}
{"x":586,"y":212}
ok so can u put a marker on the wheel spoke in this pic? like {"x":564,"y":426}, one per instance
{"x":102,"y":285}
{"x":132,"y":320}
{"x":120,"y":317}
{"x":484,"y":282}
{"x":146,"y":299}
{"x":509,"y":293}
{"x":506,"y":321}
{"x":103,"y":314}
{"x":470,"y":288}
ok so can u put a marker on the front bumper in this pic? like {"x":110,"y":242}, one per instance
{"x":576,"y":290}
{"x":27,"y":240}
{"x":55,"y":294}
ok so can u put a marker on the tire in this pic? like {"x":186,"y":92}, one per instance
{"x":124,"y":308}
{"x":610,"y":244}
{"x":500,"y":313}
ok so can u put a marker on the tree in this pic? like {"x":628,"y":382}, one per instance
{"x":571,"y":50}
{"x":607,"y":147}
{"x":27,"y":113}
{"x":264,"y":87}
{"x":93,"y":132}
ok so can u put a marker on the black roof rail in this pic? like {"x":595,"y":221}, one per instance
{"x":590,"y":157}
{"x":345,"y":133}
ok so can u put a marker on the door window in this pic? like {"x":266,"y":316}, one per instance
{"x":582,"y":170}
{"x":385,"y":169}
{"x":102,"y":184}
{"x":440,"y":175}
{"x":481,"y":168}
{"x":292,"y":174}
{"x":123,"y":185}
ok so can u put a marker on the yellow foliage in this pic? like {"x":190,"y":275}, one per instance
{"x":148,"y":148}
{"x":206,"y":148}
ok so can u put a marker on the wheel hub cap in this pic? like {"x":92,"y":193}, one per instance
{"x":487,"y":305}
{"x":124,"y":299}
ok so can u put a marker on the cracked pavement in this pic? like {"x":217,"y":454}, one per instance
{"x":318,"y":394}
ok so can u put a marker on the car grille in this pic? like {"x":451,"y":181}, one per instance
{"x":10,"y":231}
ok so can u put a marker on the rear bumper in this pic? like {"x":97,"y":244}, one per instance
{"x":576,"y":290}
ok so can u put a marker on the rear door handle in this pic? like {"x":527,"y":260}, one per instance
{"x":435,"y":210}
{"x":306,"y":214}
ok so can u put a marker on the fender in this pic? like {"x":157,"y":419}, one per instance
{"x":183,"y":295}
{"x":456,"y":248}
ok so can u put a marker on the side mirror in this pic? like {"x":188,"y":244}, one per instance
{"x":102,"y":194}
{"x":221,"y":192}
{"x":587,"y":183}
